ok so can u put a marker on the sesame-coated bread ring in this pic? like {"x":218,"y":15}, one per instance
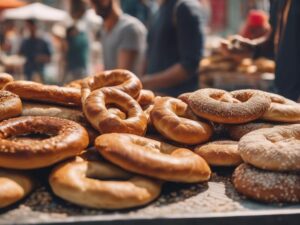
{"x":123,"y":80}
{"x":14,"y":186}
{"x":64,"y":112}
{"x":276,"y":148}
{"x":153,"y":158}
{"x":102,"y":185}
{"x":10,"y":105}
{"x":223,"y":107}
{"x":145,"y":98}
{"x":281,"y":108}
{"x":4,"y":79}
{"x":237,"y":131}
{"x":67,"y":139}
{"x":29,"y":90}
{"x":267,"y":186}
{"x":174,"y":120}
{"x":95,"y":107}
{"x":220,"y":153}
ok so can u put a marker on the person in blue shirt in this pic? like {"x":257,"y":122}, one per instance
{"x":175,"y":48}
{"x":36,"y":51}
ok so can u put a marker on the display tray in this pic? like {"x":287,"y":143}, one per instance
{"x":214,"y":202}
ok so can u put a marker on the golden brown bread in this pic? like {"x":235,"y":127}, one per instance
{"x":153,"y":158}
{"x":29,"y":90}
{"x":5,"y":78}
{"x":174,"y":120}
{"x":14,"y":186}
{"x":101,"y":185}
{"x":10,"y":105}
{"x":67,"y":139}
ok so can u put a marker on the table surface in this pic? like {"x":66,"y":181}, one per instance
{"x":213,"y":202}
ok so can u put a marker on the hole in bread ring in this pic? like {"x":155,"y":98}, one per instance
{"x":67,"y":139}
{"x":153,"y":158}
{"x":101,"y":185}
{"x":174,"y":119}
{"x":95,"y":109}
{"x":267,"y":186}
{"x":223,"y":107}
{"x":276,"y":148}
{"x":123,"y":80}
{"x":14,"y":185}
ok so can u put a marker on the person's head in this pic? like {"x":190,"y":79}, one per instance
{"x":31,"y":26}
{"x":78,"y":8}
{"x":71,"y":32}
{"x":104,"y":8}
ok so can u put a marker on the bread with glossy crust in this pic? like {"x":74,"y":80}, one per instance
{"x":10,"y":105}
{"x":65,"y":139}
{"x":153,"y":158}
{"x":5,"y":78}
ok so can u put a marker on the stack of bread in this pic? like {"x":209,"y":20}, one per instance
{"x":112,"y":144}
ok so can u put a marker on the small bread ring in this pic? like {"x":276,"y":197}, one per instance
{"x":86,"y":183}
{"x":174,"y":120}
{"x":145,"y":98}
{"x":95,"y":110}
{"x":220,"y":153}
{"x":237,"y":131}
{"x":5,"y":78}
{"x":222,"y":107}
{"x":14,"y":186}
{"x":67,"y":139}
{"x":281,"y":108}
{"x":153,"y":158}
{"x":267,"y":186}
{"x":276,"y":148}
{"x":11,"y":105}
{"x":29,"y":90}
{"x":120,"y":79}
{"x":64,"y":112}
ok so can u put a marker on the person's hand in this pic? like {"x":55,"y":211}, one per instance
{"x":42,"y":59}
{"x":238,"y":47}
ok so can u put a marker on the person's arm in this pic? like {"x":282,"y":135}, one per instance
{"x":190,"y":45}
{"x":133,"y":41}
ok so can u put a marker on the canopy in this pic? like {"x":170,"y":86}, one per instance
{"x":6,"y":4}
{"x":36,"y":11}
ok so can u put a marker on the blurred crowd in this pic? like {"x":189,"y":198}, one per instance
{"x":161,"y":41}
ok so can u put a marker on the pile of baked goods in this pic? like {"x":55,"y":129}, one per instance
{"x":113,"y":145}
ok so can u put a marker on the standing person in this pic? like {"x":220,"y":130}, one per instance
{"x":282,"y":42}
{"x":77,"y":54}
{"x":123,"y":37}
{"x":175,"y":47}
{"x":36,"y":51}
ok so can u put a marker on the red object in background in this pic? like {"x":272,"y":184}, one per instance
{"x":219,"y":14}
{"x":6,"y":4}
{"x":256,"y":25}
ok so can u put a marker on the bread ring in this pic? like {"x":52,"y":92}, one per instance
{"x":237,"y":131}
{"x":153,"y":158}
{"x":267,"y":186}
{"x":145,"y":98}
{"x":281,"y":108}
{"x":4,"y":79}
{"x":77,"y":83}
{"x":14,"y":186}
{"x":29,"y":90}
{"x":86,"y":183}
{"x":222,"y":107}
{"x":11,"y":105}
{"x":174,"y":120}
{"x":64,"y":112}
{"x":123,"y":80}
{"x":276,"y":148}
{"x":220,"y":153}
{"x":67,"y":139}
{"x":95,"y":110}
